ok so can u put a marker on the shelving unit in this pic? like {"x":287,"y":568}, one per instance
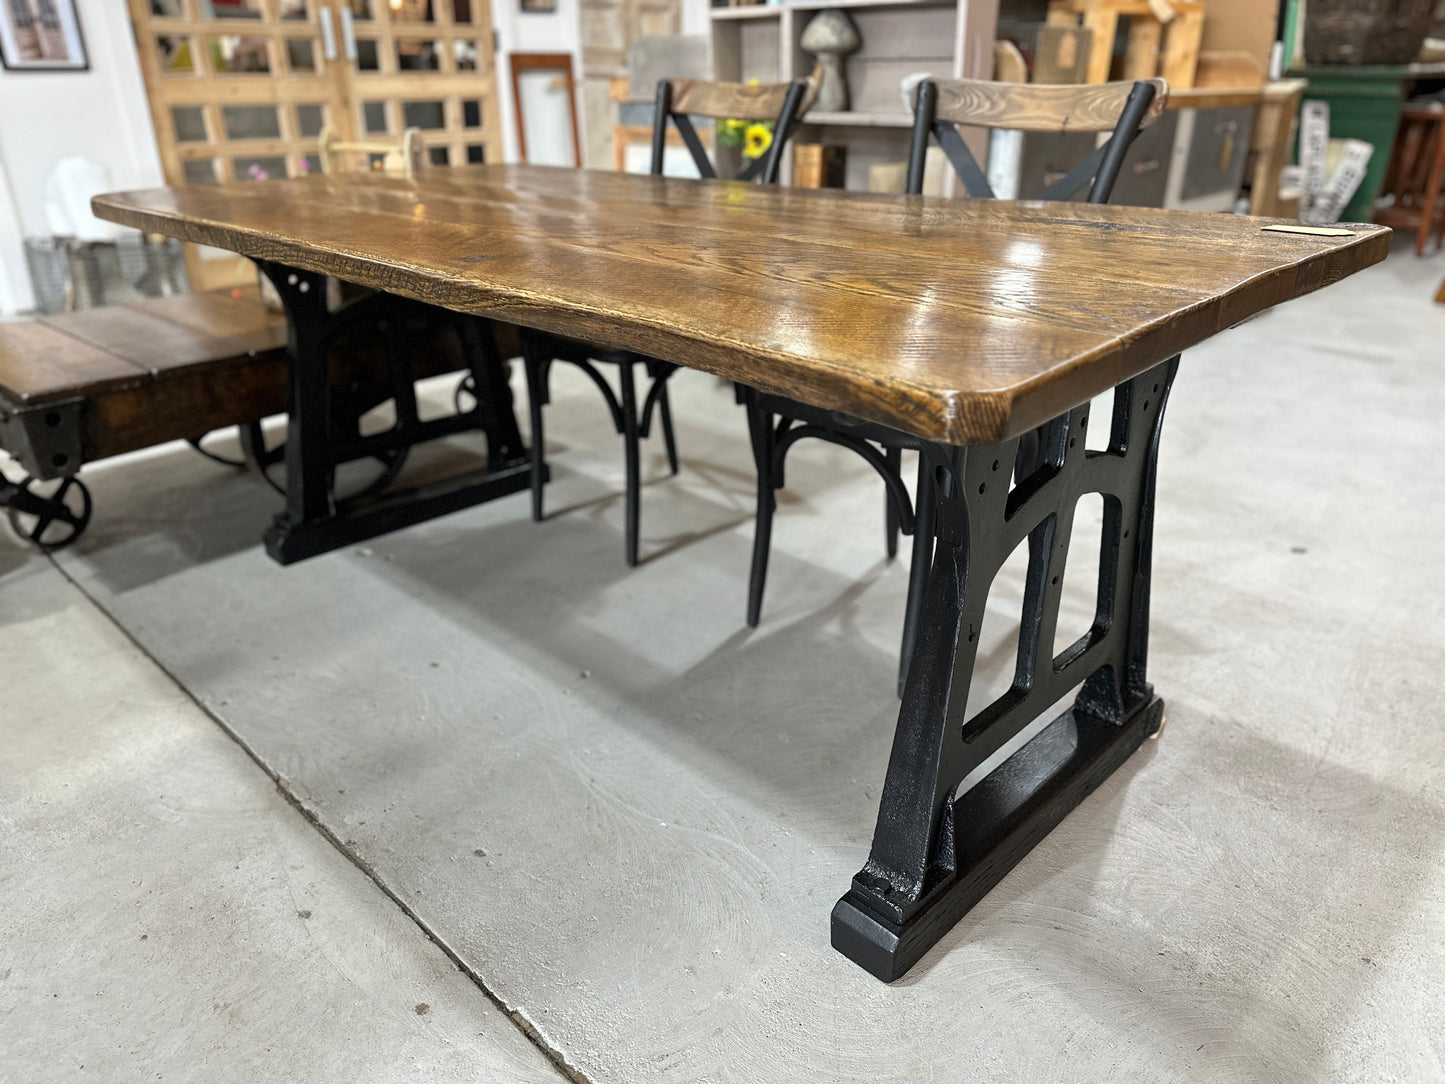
{"x":941,"y":37}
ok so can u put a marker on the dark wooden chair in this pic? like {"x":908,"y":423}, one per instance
{"x":776,"y":423}
{"x":677,"y":102}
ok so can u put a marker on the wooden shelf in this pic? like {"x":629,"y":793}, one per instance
{"x":851,"y":119}
{"x":819,"y":5}
{"x":764,"y":11}
{"x":756,"y":11}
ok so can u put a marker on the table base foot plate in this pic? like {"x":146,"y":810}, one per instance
{"x":288,"y":542}
{"x":999,"y":821}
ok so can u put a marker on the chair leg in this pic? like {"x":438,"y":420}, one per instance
{"x":890,"y":511}
{"x":538,"y":371}
{"x":664,"y":406}
{"x":1431,"y":200}
{"x":923,"y":513}
{"x":632,"y":453}
{"x":760,"y":429}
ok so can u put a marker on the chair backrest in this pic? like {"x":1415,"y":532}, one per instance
{"x":404,"y":155}
{"x":1123,"y":108}
{"x":678,"y":100}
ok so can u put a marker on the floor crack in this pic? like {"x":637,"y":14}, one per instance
{"x":518,"y":1020}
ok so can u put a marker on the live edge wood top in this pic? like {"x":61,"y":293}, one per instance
{"x":960,"y":321}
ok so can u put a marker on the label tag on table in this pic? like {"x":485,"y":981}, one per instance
{"x":1313,"y":231}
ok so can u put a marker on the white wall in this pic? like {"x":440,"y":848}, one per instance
{"x":520,"y":32}
{"x":45,"y":116}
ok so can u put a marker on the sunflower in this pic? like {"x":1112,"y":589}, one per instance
{"x":757,"y":139}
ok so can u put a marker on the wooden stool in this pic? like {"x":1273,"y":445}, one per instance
{"x":1416,"y":174}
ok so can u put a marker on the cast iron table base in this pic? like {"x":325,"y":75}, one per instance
{"x":314,"y":521}
{"x":936,"y":852}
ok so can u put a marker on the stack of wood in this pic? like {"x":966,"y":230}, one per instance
{"x":1164,"y":37}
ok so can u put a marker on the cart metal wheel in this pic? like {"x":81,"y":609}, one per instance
{"x":198,"y":443}
{"x":362,"y":478}
{"x":50,"y":515}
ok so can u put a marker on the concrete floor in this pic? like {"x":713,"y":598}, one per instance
{"x":625,"y":817}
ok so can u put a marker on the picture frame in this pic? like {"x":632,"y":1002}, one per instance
{"x":41,"y":35}
{"x":537,"y":7}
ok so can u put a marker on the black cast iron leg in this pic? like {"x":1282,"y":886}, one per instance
{"x":936,"y":852}
{"x":760,"y":431}
{"x":632,"y":455}
{"x":492,"y":392}
{"x":538,"y":371}
{"x":309,"y":467}
{"x":923,"y":507}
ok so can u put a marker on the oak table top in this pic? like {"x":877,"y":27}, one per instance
{"x":959,"y":321}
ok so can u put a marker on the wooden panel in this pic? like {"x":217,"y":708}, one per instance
{"x":39,"y":364}
{"x":147,"y":341}
{"x":1029,"y":107}
{"x":244,"y":318}
{"x":188,"y":403}
{"x":745,"y":101}
{"x":957,"y":320}
{"x":1241,"y":24}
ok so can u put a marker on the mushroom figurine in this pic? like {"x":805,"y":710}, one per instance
{"x":831,"y":36}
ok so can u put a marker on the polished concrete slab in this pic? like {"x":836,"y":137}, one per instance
{"x":629,"y":816}
{"x":168,"y":915}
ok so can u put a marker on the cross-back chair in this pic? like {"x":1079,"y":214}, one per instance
{"x":678,"y":101}
{"x":777,"y":423}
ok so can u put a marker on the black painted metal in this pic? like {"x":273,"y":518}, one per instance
{"x":634,"y":424}
{"x":765,"y":168}
{"x":239,"y":463}
{"x":45,"y":439}
{"x":937,"y":848}
{"x":50,"y":521}
{"x":775,"y":424}
{"x":325,"y":404}
{"x":1103,"y":166}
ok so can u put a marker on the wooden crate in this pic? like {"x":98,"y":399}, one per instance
{"x":1164,"y":36}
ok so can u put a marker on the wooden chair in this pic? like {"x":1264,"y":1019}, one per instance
{"x":677,"y":102}
{"x":776,"y":423}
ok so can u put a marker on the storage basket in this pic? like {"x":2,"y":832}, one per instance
{"x":1366,"y":31}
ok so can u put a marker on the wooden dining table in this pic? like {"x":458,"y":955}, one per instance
{"x":984,"y":328}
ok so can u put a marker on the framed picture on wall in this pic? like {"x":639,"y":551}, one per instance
{"x":41,"y":35}
{"x":538,"y":7}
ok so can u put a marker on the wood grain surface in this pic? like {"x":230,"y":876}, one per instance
{"x":960,"y":321}
{"x":744,"y":101}
{"x":1039,"y":107}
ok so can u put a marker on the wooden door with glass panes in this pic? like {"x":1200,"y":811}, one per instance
{"x":609,"y":27}
{"x":240,"y":89}
{"x":424,"y":64}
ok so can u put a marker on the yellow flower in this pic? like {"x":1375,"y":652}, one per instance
{"x":730,"y":132}
{"x":756,"y":140}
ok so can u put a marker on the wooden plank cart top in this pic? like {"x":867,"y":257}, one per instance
{"x":983,"y":328}
{"x":959,"y":321}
